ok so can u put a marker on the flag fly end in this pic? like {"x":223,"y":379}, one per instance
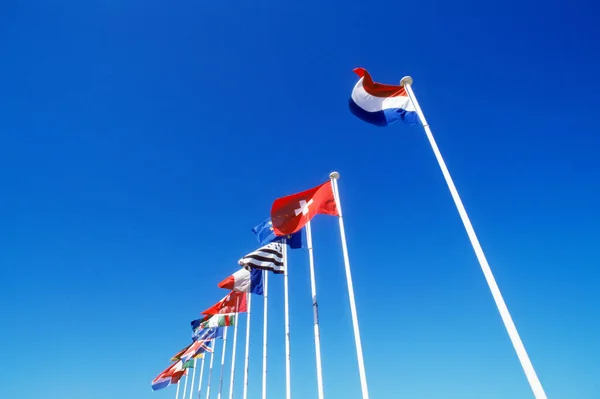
{"x":334,"y":175}
{"x":407,"y":80}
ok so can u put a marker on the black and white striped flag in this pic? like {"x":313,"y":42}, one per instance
{"x":269,"y":257}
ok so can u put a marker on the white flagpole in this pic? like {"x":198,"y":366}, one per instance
{"x":235,"y":328}
{"x":359,"y":353}
{"x":177,"y":392}
{"x":193,"y":379}
{"x":222,"y":362}
{"x":313,"y":287}
{"x":210,"y":368}
{"x":264,"y":376}
{"x":532,"y":377}
{"x":200,"y":378}
{"x":187,"y":375}
{"x":246,"y":360}
{"x":288,"y":389}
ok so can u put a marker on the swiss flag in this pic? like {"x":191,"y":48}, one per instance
{"x":228,"y":304}
{"x":289,"y":214}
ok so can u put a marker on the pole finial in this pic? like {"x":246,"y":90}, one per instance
{"x":406,"y":80}
{"x":334,"y":175}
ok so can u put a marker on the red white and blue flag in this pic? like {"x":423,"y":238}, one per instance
{"x":244,"y":280}
{"x":380,"y":104}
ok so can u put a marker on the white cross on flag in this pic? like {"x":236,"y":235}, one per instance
{"x":289,"y":214}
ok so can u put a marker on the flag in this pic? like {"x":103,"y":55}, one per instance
{"x":380,"y":104}
{"x":269,"y":257}
{"x":244,"y":280}
{"x":228,"y":304}
{"x":207,"y":334}
{"x":218,"y":320}
{"x":171,"y":375}
{"x":177,"y":356}
{"x":195,"y":349}
{"x":289,"y":214}
{"x":196,"y":323}
{"x":265,"y":234}
{"x":189,"y":364}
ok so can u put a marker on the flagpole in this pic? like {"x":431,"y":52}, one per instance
{"x":200,"y":378}
{"x":359,"y":353}
{"x":264,"y":371}
{"x":210,"y":369}
{"x":235,"y":328}
{"x":313,"y":287}
{"x":530,"y":373}
{"x":187,"y":375}
{"x":193,"y":379}
{"x":246,"y":360}
{"x":288,"y":391}
{"x":222,"y":363}
{"x":177,"y":392}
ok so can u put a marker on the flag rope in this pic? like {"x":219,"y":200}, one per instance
{"x":313,"y":287}
{"x":530,"y":373}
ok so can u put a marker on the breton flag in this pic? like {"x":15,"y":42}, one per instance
{"x":171,"y":375}
{"x":234,"y":302}
{"x":269,"y":257}
{"x":265,"y":234}
{"x":380,"y":104}
{"x":290,"y":214}
{"x":244,"y":280}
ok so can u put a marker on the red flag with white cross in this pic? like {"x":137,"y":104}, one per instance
{"x":289,"y":214}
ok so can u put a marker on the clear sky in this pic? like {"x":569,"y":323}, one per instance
{"x":140,"y":141}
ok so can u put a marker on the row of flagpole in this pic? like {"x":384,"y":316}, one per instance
{"x":329,"y":204}
{"x":292,"y":219}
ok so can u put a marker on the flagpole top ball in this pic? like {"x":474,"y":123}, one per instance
{"x":407,"y":80}
{"x":334,"y":175}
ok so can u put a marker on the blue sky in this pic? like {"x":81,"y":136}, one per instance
{"x":141,"y":141}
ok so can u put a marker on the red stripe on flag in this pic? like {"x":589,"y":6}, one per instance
{"x":379,"y":89}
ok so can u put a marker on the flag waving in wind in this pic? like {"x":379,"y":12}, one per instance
{"x":290,"y":214}
{"x":195,"y":349}
{"x":171,"y":375}
{"x":206,"y":332}
{"x":380,"y":104}
{"x":265,"y":234}
{"x":244,"y":280}
{"x":269,"y":257}
{"x":234,"y":302}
